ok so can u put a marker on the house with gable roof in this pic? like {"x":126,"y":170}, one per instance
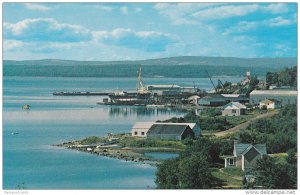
{"x":234,"y":109}
{"x":270,"y":104}
{"x":245,"y":156}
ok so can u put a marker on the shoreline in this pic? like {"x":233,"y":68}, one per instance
{"x":116,"y":151}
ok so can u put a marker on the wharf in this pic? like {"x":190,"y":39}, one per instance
{"x":81,"y":93}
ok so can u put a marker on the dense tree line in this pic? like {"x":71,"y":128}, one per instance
{"x":129,"y":70}
{"x":278,"y":132}
{"x":211,"y":120}
{"x":287,"y":77}
{"x":192,"y":169}
{"x":273,"y":175}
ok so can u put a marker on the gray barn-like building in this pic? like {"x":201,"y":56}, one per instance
{"x":284,"y":96}
{"x":170,"y":132}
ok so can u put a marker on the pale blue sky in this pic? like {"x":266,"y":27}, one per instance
{"x":129,"y":31}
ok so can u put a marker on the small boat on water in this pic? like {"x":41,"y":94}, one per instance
{"x":26,"y":107}
{"x":14,"y":133}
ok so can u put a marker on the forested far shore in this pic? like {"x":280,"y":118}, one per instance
{"x":176,"y":71}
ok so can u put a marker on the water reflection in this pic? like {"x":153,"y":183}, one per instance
{"x":139,"y":111}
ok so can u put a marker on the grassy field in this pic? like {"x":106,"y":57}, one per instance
{"x":150,"y":143}
{"x":280,"y":157}
{"x":231,"y":177}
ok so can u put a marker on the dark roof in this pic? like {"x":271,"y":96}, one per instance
{"x":213,"y":95}
{"x":240,"y":148}
{"x":167,"y":129}
{"x":262,"y":148}
{"x":251,"y":153}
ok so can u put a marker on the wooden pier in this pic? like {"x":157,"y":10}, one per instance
{"x":81,"y":93}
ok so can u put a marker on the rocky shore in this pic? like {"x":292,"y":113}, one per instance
{"x":112,"y":151}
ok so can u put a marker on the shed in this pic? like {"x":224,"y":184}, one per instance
{"x":234,"y":109}
{"x":270,"y":104}
{"x":170,"y":132}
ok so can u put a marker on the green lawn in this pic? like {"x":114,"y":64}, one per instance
{"x":280,"y":158}
{"x":150,"y":143}
{"x":231,"y":177}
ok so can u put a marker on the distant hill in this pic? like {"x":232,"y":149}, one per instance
{"x":182,"y":60}
{"x":187,"y":67}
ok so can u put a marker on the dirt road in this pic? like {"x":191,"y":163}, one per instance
{"x":244,"y":125}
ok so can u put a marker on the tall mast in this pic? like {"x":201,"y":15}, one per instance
{"x":139,"y":84}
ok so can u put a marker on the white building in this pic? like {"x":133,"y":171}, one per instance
{"x":194,"y":99}
{"x":163,"y":89}
{"x":140,"y":129}
{"x":270,"y":104}
{"x":234,"y":109}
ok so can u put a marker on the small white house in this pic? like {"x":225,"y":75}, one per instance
{"x":270,"y":104}
{"x":140,"y":129}
{"x":234,"y":109}
{"x":194,"y":99}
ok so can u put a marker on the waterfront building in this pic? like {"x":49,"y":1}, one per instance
{"x":222,"y":99}
{"x":193,"y":99}
{"x":164,"y":89}
{"x":270,"y":104}
{"x":140,"y":129}
{"x":245,"y":156}
{"x":170,"y":131}
{"x":284,"y":96}
{"x":234,"y":109}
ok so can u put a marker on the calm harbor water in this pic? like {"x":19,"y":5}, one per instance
{"x":30,"y":161}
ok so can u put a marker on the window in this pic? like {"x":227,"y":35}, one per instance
{"x":230,"y":161}
{"x":135,"y":133}
{"x":143,"y":133}
{"x":233,"y":111}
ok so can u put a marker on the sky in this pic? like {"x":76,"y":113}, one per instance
{"x":134,"y":31}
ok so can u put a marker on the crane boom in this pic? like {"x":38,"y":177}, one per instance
{"x":211,"y":80}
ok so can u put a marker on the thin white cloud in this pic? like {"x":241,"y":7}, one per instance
{"x":227,"y":11}
{"x":279,"y":21}
{"x":124,"y":10}
{"x":35,"y":6}
{"x":195,"y":13}
{"x":11,"y":44}
{"x":245,"y":26}
{"x":181,"y":13}
{"x":276,"y":8}
{"x":148,"y":40}
{"x":103,"y":8}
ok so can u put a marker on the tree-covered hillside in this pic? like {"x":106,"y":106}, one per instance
{"x":287,"y":77}
{"x":179,"y":71}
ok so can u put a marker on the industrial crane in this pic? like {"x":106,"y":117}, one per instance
{"x":211,"y":80}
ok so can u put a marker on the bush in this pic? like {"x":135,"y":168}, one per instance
{"x":279,"y":133}
{"x":215,"y":123}
{"x":146,"y":143}
{"x":92,"y":140}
